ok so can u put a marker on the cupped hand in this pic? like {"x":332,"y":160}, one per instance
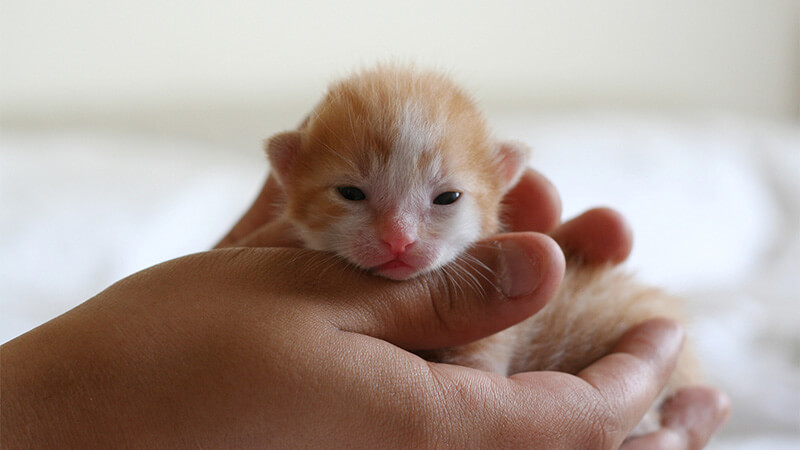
{"x":265,"y":347}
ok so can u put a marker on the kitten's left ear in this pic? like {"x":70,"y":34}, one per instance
{"x":511,"y":161}
{"x":282,"y":150}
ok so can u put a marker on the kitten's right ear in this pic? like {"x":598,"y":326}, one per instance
{"x":282,"y":150}
{"x":510,"y":163}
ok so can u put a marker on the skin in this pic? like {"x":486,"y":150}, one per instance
{"x":256,"y":347}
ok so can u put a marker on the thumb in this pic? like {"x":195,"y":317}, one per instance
{"x":501,"y":282}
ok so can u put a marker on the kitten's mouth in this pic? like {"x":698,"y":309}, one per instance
{"x":395,"y":270}
{"x":393,"y":264}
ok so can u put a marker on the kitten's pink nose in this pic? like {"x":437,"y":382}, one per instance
{"x":398,"y":242}
{"x":398,"y":232}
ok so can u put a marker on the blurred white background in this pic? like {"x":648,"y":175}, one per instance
{"x":123,"y":64}
{"x":130,"y":133}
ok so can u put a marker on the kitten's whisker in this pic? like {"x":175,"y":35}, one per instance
{"x":450,"y":280}
{"x":481,"y":270}
{"x":462,"y":276}
{"x":476,"y":261}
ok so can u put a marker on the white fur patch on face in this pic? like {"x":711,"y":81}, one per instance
{"x":402,"y":174}
{"x":415,"y":133}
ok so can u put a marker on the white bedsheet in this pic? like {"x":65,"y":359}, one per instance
{"x":714,"y":202}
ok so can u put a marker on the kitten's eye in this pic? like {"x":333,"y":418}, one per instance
{"x":351,"y":193}
{"x":446,"y":198}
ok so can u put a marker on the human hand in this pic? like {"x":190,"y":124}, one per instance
{"x":282,"y":348}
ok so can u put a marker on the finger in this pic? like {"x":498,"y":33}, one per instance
{"x":532,"y":205}
{"x":265,"y":208}
{"x":631,"y":378}
{"x":597,"y":236}
{"x":688,"y":420}
{"x":504,"y":281}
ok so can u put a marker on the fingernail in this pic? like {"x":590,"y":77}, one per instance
{"x":519,"y":273}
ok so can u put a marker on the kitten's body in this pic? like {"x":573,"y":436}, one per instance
{"x":371,"y":175}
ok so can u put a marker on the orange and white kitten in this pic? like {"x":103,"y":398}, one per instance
{"x":396,"y":171}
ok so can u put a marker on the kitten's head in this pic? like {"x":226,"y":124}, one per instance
{"x":395,"y":171}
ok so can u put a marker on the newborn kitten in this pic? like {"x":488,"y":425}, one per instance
{"x":396,"y":171}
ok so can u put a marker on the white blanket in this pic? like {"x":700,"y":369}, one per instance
{"x":714,"y":203}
